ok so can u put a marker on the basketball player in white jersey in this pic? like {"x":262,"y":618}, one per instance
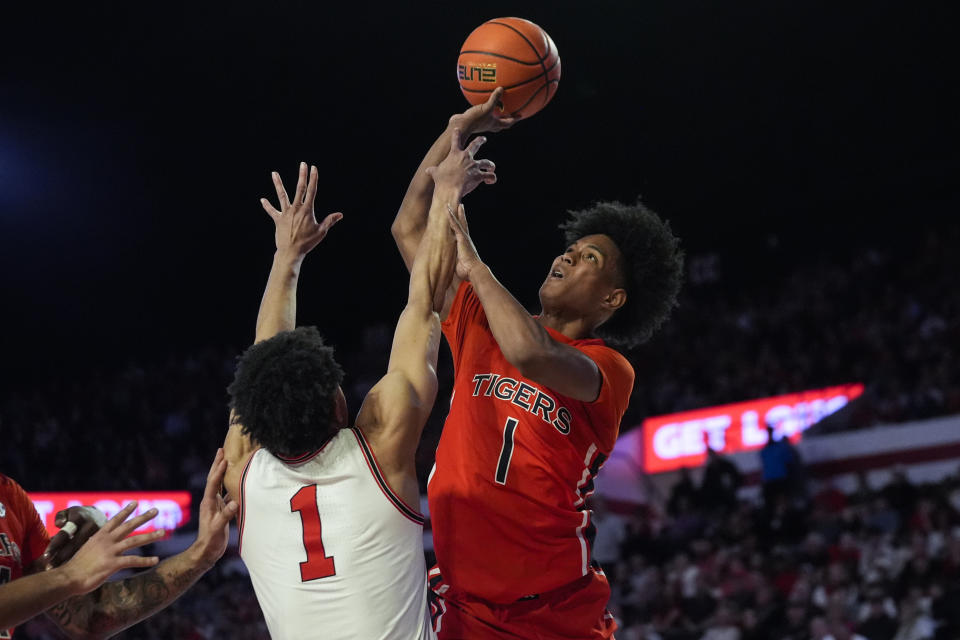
{"x":329,"y":527}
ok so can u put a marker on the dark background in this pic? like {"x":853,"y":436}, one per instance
{"x":135,"y":142}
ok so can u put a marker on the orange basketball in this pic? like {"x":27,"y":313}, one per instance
{"x":512,"y":53}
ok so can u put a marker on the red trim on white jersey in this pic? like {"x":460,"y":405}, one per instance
{"x":408,"y":512}
{"x":243,"y":503}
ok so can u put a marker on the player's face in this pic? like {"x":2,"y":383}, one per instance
{"x":583,"y":276}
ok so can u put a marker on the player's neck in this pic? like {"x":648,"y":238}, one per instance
{"x":575,"y":328}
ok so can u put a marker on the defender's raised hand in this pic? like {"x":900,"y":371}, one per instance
{"x":297,"y":229}
{"x":215,"y":514}
{"x":460,"y":171}
{"x":103,"y":554}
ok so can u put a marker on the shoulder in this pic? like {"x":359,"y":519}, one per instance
{"x":13,"y":493}
{"x":391,"y":406}
{"x":391,"y":400}
{"x":615,"y":369}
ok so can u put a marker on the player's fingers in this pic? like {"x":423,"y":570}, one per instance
{"x":116,"y":520}
{"x":312,"y":184}
{"x":489,"y":177}
{"x":330,"y":220}
{"x":136,"y":562}
{"x":475,"y":145}
{"x":269,"y":208}
{"x":139,"y":540}
{"x":455,"y":223}
{"x":87,"y":530}
{"x":486,"y":165}
{"x":281,"y":191}
{"x":72,"y":543}
{"x":61,"y":518}
{"x":455,"y":140}
{"x":226,"y":514}
{"x":493,"y":100}
{"x":301,"y":184}
{"x":215,"y":476}
{"x":132,"y":524}
{"x":57,"y":543}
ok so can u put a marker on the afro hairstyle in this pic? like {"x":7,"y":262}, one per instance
{"x":651,"y":264}
{"x":284,"y":392}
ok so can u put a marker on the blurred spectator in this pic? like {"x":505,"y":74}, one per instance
{"x":878,"y":622}
{"x":683,"y":495}
{"x":780,"y":463}
{"x":720,"y":483}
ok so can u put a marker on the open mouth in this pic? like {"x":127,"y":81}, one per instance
{"x":556,"y":274}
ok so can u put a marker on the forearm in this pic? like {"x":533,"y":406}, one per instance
{"x":278,"y":307}
{"x":520,"y":337}
{"x":435,"y":263}
{"x":411,"y":221}
{"x":31,"y":595}
{"x":118,"y":605}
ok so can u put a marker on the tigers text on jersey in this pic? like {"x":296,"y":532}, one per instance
{"x":515,"y":463}
{"x":23,"y":538}
{"x":332,"y":551}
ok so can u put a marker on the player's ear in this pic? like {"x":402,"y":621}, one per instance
{"x":615,"y":299}
{"x":340,"y":408}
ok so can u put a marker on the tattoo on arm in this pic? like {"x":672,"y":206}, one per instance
{"x":118,"y":605}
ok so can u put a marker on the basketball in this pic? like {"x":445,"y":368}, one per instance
{"x":515,"y":54}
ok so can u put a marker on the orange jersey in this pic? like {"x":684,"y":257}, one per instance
{"x":515,"y":463}
{"x":23,"y":538}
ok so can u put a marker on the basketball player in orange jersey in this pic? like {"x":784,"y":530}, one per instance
{"x":327,"y":530}
{"x":536,"y":410}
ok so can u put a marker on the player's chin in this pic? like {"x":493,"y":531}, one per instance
{"x":551,"y":289}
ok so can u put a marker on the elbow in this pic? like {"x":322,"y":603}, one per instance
{"x":529,"y":361}
{"x":402,"y":229}
{"x":397,"y":230}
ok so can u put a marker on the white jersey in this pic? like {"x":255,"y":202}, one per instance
{"x":332,"y":551}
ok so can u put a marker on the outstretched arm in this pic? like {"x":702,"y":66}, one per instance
{"x":99,"y":558}
{"x":118,"y":605}
{"x":411,"y":221}
{"x":297,"y":232}
{"x":524,"y":343}
{"x":398,"y":406}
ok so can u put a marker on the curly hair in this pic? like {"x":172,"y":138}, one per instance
{"x":651,"y":264}
{"x":284,"y":392}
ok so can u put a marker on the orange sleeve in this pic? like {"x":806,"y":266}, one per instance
{"x":615,"y":389}
{"x":465,"y":312}
{"x":35,"y":536}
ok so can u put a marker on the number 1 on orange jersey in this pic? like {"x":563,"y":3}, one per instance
{"x":506,"y":452}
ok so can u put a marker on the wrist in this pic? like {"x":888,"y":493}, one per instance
{"x":448,"y":194}
{"x":288,"y":259}
{"x":464,"y":123}
{"x":477,"y":272}
{"x":198,"y":558}
{"x":68,"y":579}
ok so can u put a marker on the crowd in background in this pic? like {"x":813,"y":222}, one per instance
{"x":827,"y":565}
{"x":881,"y":563}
